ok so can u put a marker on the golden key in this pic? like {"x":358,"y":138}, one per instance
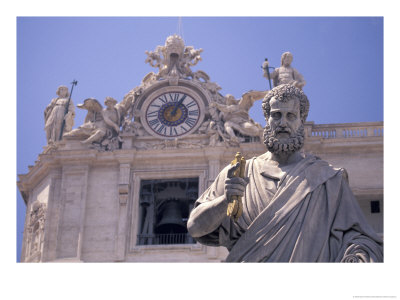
{"x":235,"y":206}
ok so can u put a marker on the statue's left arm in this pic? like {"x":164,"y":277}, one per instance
{"x":298,"y":79}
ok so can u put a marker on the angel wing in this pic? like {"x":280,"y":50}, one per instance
{"x":91,"y":104}
{"x":248,"y":99}
{"x":93,"y":107}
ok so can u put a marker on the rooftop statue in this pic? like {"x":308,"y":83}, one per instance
{"x":93,"y":127}
{"x":60,"y":110}
{"x":285,"y":74}
{"x":101,"y":126}
{"x":296,"y":207}
{"x":174,"y":59}
{"x":235,"y":114}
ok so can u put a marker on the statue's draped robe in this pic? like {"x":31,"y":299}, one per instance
{"x":306,"y":214}
{"x":54,"y":115}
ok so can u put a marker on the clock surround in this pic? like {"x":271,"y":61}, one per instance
{"x":172,"y":112}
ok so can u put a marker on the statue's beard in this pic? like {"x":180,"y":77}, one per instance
{"x":283,"y":146}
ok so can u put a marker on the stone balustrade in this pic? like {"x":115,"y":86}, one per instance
{"x":344,"y":130}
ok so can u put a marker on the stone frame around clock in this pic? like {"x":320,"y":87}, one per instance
{"x":169,"y":89}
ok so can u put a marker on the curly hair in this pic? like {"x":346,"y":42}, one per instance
{"x":283,"y":93}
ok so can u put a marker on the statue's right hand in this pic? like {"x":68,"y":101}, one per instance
{"x":234,"y":186}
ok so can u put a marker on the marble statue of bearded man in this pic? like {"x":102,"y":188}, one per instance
{"x":296,"y":207}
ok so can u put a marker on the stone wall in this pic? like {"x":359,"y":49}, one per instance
{"x":83,"y":205}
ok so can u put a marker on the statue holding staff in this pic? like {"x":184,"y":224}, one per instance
{"x":285,"y":74}
{"x":59,"y":115}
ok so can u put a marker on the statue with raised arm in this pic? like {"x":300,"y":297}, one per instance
{"x":54,"y":115}
{"x":295,"y":206}
{"x":285,"y":74}
{"x":235,"y":115}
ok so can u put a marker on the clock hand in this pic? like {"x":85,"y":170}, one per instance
{"x":173,"y":113}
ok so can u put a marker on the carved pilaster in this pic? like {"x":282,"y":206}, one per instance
{"x":35,"y":232}
{"x":123,"y":196}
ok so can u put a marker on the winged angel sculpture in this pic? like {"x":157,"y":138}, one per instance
{"x":235,"y":115}
{"x":102,"y":125}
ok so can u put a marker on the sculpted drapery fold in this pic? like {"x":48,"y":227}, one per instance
{"x":282,"y":219}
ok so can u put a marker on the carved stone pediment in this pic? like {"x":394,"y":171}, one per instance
{"x":190,"y":104}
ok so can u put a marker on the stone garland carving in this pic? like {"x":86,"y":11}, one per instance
{"x":35,"y":229}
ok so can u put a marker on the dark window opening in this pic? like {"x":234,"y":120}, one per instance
{"x":375,"y":207}
{"x":165,"y":205}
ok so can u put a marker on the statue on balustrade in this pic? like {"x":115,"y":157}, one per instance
{"x":285,"y":74}
{"x":60,"y":110}
{"x":296,"y":207}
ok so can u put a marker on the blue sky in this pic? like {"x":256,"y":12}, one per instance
{"x":340,"y":58}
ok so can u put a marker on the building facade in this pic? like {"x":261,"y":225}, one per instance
{"x":102,"y":195}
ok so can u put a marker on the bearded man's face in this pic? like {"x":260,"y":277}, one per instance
{"x":284,"y":132}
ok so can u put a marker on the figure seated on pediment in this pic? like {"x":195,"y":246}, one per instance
{"x":235,"y":115}
{"x":99,"y":123}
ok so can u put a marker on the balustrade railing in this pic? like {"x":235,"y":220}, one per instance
{"x":345,"y":130}
{"x":165,"y":239}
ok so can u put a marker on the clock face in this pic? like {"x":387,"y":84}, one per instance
{"x":172,"y":114}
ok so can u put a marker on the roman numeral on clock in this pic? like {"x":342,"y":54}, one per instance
{"x":190,"y":121}
{"x":192,"y":103}
{"x":174,"y":97}
{"x":152,"y":114}
{"x":162,"y":130}
{"x":172,"y":131}
{"x":154,"y":122}
{"x":194,"y":112}
{"x":163,"y":98}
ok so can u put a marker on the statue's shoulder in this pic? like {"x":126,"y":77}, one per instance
{"x":257,"y":160}
{"x":260,"y":158}
{"x":54,"y":100}
{"x":320,"y":166}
